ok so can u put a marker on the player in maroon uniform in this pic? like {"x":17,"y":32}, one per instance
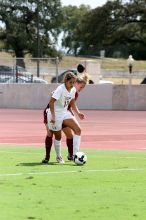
{"x":79,"y":85}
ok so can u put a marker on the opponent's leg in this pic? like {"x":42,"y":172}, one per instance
{"x":48,"y":145}
{"x":74,"y":125}
{"x":69,"y":141}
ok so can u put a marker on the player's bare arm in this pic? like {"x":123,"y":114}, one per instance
{"x":76,"y":110}
{"x":51,"y":105}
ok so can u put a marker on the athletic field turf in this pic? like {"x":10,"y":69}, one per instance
{"x":111,"y":186}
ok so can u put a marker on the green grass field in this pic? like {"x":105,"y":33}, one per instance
{"x":111,"y":186}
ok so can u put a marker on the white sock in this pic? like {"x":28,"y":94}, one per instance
{"x":57,"y":145}
{"x":76,"y":143}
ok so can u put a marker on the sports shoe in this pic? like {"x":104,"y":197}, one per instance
{"x":45,"y":161}
{"x":60,"y":160}
{"x":69,"y":157}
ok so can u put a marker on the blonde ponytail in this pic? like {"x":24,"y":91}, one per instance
{"x":85,"y":76}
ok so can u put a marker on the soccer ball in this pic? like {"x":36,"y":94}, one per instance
{"x":80,"y":158}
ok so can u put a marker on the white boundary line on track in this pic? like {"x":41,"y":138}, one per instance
{"x":19,"y":152}
{"x":23,"y":144}
{"x":71,"y":171}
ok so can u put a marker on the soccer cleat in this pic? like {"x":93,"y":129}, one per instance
{"x":45,"y":161}
{"x":60,"y":160}
{"x":69,"y":157}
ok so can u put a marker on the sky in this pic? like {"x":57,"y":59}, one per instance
{"x":92,"y":3}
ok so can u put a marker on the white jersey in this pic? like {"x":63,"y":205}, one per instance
{"x":63,"y":98}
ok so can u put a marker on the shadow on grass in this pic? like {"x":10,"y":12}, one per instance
{"x":41,"y":164}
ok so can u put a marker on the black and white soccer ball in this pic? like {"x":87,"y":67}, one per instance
{"x":80,"y":158}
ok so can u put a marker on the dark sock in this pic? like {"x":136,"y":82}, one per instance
{"x":69,"y":143}
{"x":48,"y":145}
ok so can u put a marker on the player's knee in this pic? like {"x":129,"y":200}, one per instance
{"x":78,"y":131}
{"x":69,"y":136}
{"x":57,"y":136}
{"x":49,"y":135}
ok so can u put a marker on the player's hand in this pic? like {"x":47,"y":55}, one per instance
{"x":81,"y":115}
{"x":53,"y":120}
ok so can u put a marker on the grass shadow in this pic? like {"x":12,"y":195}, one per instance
{"x":35,"y":164}
{"x":41,"y":164}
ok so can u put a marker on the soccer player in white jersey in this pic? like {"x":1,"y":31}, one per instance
{"x":79,"y":85}
{"x":58,"y":115}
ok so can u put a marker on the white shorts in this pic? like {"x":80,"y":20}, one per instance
{"x":57,"y":126}
{"x":68,"y":115}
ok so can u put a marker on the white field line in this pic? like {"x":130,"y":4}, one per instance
{"x":72,"y":171}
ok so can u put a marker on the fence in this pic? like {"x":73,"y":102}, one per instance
{"x":29,"y":68}
{"x":46,"y":68}
{"x":118,"y":71}
{"x":103,"y":70}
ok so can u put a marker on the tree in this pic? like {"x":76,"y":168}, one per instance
{"x":31,"y":26}
{"x":117,"y":25}
{"x":98,"y":26}
{"x":132,"y":32}
{"x":70,"y":26}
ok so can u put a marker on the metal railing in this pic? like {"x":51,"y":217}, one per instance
{"x":44,"y":68}
{"x":50,"y":69}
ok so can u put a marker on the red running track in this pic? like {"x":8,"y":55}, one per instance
{"x":100,"y":129}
